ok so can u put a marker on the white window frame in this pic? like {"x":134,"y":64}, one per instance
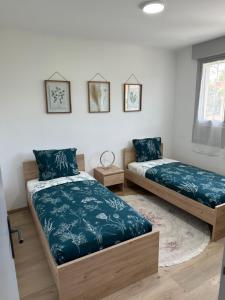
{"x":201,"y":63}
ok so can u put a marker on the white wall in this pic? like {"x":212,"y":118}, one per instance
{"x":183,"y":149}
{"x":27,"y":59}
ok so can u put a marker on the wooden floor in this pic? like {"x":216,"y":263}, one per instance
{"x":197,"y":279}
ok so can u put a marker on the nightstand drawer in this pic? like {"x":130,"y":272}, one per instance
{"x":110,"y":176}
{"x":113,"y":179}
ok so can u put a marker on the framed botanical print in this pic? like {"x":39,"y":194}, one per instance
{"x":132,"y":97}
{"x":58,"y":96}
{"x":98,"y":96}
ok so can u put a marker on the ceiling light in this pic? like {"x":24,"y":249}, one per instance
{"x":153,"y":7}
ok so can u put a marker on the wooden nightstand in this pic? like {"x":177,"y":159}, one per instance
{"x":110,"y":176}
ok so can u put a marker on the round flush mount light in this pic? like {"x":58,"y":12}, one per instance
{"x":153,"y":7}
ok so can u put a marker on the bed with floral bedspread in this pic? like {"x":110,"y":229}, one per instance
{"x":203,"y":186}
{"x":82,"y":217}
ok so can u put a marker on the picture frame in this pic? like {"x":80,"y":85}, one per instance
{"x":58,"y":96}
{"x":98,"y":96}
{"x":132,"y":97}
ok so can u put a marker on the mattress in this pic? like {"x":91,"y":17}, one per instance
{"x":198,"y":184}
{"x":80,"y":217}
{"x":140,"y":168}
{"x":35,"y":185}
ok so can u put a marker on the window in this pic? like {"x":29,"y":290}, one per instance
{"x":212,"y":92}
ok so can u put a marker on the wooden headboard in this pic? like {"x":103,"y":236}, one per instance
{"x":129,"y":155}
{"x":30,"y":169}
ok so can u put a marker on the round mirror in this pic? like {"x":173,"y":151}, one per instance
{"x":107,"y":159}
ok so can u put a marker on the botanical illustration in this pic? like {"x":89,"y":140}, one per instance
{"x":99,"y":96}
{"x":61,"y":160}
{"x":58,"y":96}
{"x":132,"y":97}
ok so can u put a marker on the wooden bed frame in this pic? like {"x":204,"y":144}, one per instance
{"x":213,"y":216}
{"x":99,"y":274}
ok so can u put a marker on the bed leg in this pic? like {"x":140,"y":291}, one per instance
{"x":128,"y":183}
{"x":219,"y":225}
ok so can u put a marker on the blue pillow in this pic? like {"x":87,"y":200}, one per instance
{"x":56,"y":163}
{"x":147,"y":149}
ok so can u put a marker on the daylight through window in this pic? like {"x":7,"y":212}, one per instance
{"x":212,"y":92}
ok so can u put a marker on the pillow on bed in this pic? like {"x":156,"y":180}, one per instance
{"x":56,"y":163}
{"x":147,"y":149}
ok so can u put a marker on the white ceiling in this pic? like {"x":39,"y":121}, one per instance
{"x":184,"y":22}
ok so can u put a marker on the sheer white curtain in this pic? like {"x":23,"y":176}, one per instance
{"x":209,"y":129}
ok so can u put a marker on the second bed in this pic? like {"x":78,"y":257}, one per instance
{"x":197,"y":191}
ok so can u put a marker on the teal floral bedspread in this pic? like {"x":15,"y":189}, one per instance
{"x":203,"y":186}
{"x":79,"y":218}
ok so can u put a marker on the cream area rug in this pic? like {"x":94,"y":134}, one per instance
{"x":182,"y":236}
